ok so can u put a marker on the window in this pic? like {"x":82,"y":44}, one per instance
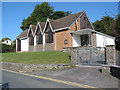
{"x":39,"y":36}
{"x":40,"y":39}
{"x":66,"y":41}
{"x":31,"y":40}
{"x":49,"y":35}
{"x":84,"y":18}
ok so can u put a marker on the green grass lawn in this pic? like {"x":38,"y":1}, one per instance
{"x":46,"y":57}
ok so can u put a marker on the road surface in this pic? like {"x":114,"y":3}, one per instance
{"x":14,"y":80}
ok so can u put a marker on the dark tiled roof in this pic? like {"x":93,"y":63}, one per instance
{"x":65,"y":21}
{"x":56,"y":24}
{"x":24,"y":34}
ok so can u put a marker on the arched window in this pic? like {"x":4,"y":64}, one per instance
{"x":31,"y":38}
{"x":48,"y":35}
{"x":39,"y":36}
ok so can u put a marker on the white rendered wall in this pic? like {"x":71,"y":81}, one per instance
{"x":103,"y":40}
{"x":35,"y":40}
{"x":110,"y":41}
{"x":76,"y":40}
{"x":24,"y":45}
{"x":43,"y":38}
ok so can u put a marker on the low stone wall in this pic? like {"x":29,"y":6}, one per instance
{"x":48,"y":47}
{"x":41,"y":47}
{"x":69,"y":49}
{"x":115,"y":71}
{"x":32,"y":67}
{"x":31,"y":48}
{"x":105,"y":69}
{"x":38,"y":48}
{"x":110,"y":55}
{"x":74,"y":59}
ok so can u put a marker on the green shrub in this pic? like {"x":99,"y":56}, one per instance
{"x":7,"y":48}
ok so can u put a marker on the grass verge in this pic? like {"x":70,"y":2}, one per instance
{"x":46,"y":57}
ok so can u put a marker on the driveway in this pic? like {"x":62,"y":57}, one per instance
{"x":88,"y":75}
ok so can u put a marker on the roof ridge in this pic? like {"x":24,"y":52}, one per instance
{"x":42,"y":22}
{"x":69,"y":15}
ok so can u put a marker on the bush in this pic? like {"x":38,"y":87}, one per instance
{"x":8,"y":48}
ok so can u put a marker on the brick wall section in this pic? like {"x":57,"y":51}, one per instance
{"x":53,"y":41}
{"x":110,"y":55}
{"x":78,"y":24}
{"x":62,"y":35}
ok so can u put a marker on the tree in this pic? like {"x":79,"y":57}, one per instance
{"x":111,"y":26}
{"x":40,"y":13}
{"x":59,"y":14}
{"x":6,"y":38}
{"x":118,"y":30}
{"x":106,"y":25}
{"x":68,"y":13}
{"x":7,"y":48}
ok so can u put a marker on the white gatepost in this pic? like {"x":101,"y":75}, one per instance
{"x":43,"y":41}
{"x":34,"y":43}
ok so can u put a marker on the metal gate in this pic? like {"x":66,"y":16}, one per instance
{"x":91,"y":56}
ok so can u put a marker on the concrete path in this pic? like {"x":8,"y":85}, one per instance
{"x":84,"y":75}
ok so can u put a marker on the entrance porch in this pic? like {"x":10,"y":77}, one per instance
{"x":85,"y":37}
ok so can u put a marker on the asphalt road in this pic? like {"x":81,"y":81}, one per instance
{"x":86,"y":75}
{"x":14,"y":80}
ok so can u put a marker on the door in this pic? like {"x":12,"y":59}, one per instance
{"x":19,"y":45}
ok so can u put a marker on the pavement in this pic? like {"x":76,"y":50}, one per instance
{"x":87,"y":75}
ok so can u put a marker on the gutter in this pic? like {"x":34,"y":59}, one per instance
{"x":61,"y":29}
